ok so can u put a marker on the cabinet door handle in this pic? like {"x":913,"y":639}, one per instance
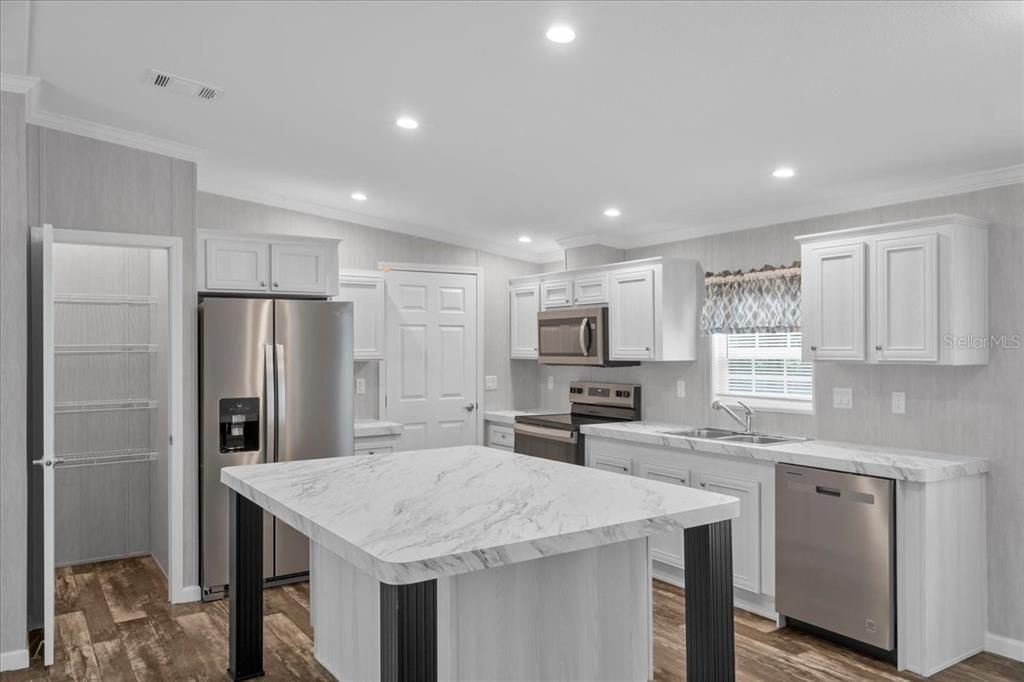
{"x":277,"y":284}
{"x":814,"y":348}
{"x":263,"y":283}
{"x":878,"y":348}
{"x":703,"y":484}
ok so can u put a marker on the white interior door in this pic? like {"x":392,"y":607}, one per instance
{"x":42,"y":261}
{"x":432,"y":358}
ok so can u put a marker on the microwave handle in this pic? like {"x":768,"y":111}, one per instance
{"x":584,"y":335}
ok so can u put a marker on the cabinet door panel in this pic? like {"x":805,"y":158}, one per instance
{"x":369,"y":308}
{"x":557,"y":294}
{"x":746,"y":529}
{"x":524,"y":303}
{"x":833,"y":295}
{"x":631,"y":315}
{"x":590,"y":290}
{"x":299,"y":268}
{"x":667,"y":548}
{"x":236,"y":265}
{"x":906,"y":300}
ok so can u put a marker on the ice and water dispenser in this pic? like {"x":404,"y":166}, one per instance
{"x":239,"y":425}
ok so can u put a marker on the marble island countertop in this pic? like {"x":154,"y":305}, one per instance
{"x":907,"y":465}
{"x":412,"y":516}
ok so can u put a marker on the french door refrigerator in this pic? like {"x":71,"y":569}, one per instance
{"x":275,"y":386}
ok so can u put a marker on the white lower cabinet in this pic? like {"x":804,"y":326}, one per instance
{"x":500,"y":436}
{"x":753,"y":532}
{"x":666,"y":548}
{"x":375,"y":445}
{"x":746,"y":530}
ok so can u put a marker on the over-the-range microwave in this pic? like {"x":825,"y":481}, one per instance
{"x":575,"y":336}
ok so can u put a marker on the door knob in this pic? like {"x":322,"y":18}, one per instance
{"x":470,"y":407}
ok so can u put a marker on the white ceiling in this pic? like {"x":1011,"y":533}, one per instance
{"x":675,"y":112}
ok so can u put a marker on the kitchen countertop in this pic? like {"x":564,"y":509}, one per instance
{"x":906,"y":465}
{"x":365,"y":428}
{"x":412,"y":516}
{"x":509,"y":416}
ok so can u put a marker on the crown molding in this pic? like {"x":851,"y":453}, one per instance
{"x":10,"y":82}
{"x":958,"y":184}
{"x":586,"y":239}
{"x":246,"y":193}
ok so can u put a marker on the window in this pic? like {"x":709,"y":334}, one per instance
{"x":763,"y":370}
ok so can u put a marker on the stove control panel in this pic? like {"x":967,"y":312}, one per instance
{"x":597,"y":393}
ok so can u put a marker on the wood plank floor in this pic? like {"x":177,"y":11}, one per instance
{"x":113,"y":623}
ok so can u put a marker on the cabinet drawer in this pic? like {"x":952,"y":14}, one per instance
{"x":500,"y":436}
{"x":375,"y":450}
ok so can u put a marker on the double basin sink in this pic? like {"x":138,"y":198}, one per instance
{"x":734,"y":436}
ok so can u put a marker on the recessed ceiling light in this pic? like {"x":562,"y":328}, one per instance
{"x":612,"y":212}
{"x":525,"y":239}
{"x":561,"y":33}
{"x":358,"y":196}
{"x":407,"y":122}
{"x":784,"y":172}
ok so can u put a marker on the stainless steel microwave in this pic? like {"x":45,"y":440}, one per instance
{"x":575,"y":336}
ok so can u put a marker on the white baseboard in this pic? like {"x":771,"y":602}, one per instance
{"x":14,"y":660}
{"x":1004,"y":646}
{"x":189,"y":593}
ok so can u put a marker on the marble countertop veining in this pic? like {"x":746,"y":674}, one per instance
{"x":365,"y":428}
{"x":907,"y":465}
{"x":412,"y":516}
{"x":509,"y":416}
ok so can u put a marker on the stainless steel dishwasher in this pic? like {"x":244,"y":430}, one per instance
{"x":835,"y":554}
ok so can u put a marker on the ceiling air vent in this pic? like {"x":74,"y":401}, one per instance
{"x":184,"y":86}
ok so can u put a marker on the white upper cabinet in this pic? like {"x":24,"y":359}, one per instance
{"x":632,"y":327}
{"x":556,"y":294}
{"x":229,"y":262}
{"x":833,"y":290}
{"x":590,"y":289}
{"x":908,"y":292}
{"x":906,"y":300}
{"x":367,"y":293}
{"x":653,"y":304}
{"x":301,"y":268}
{"x":237,"y":265}
{"x":524,"y":303}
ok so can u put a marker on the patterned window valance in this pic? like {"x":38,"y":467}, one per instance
{"x":765,"y":300}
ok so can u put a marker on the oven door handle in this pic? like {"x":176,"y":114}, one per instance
{"x":558,"y":435}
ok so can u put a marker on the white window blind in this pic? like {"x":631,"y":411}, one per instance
{"x":763,"y":370}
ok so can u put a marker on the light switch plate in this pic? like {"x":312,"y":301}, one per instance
{"x":360,"y":386}
{"x":680,"y":389}
{"x":842,"y":398}
{"x":490,"y":383}
{"x":899,"y":402}
{"x":551,"y":383}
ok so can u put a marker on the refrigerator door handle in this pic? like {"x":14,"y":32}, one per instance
{"x":282,"y":405}
{"x":270,"y":447}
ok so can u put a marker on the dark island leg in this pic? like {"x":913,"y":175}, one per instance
{"x":408,"y":632}
{"x":710,"y":638}
{"x":245,"y":591}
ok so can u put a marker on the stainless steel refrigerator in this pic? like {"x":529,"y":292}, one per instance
{"x":275,"y":384}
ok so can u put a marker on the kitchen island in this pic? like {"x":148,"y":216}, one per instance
{"x":470,"y":563}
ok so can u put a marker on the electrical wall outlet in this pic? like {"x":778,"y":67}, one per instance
{"x":680,"y":389}
{"x":551,"y":383}
{"x":490,"y":383}
{"x":360,"y":386}
{"x":899,"y":402}
{"x":842,"y":398}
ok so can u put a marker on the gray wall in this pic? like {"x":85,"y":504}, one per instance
{"x":362,"y":248}
{"x":13,"y":374}
{"x":80,"y":183}
{"x":592,"y":254}
{"x":971,"y":410}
